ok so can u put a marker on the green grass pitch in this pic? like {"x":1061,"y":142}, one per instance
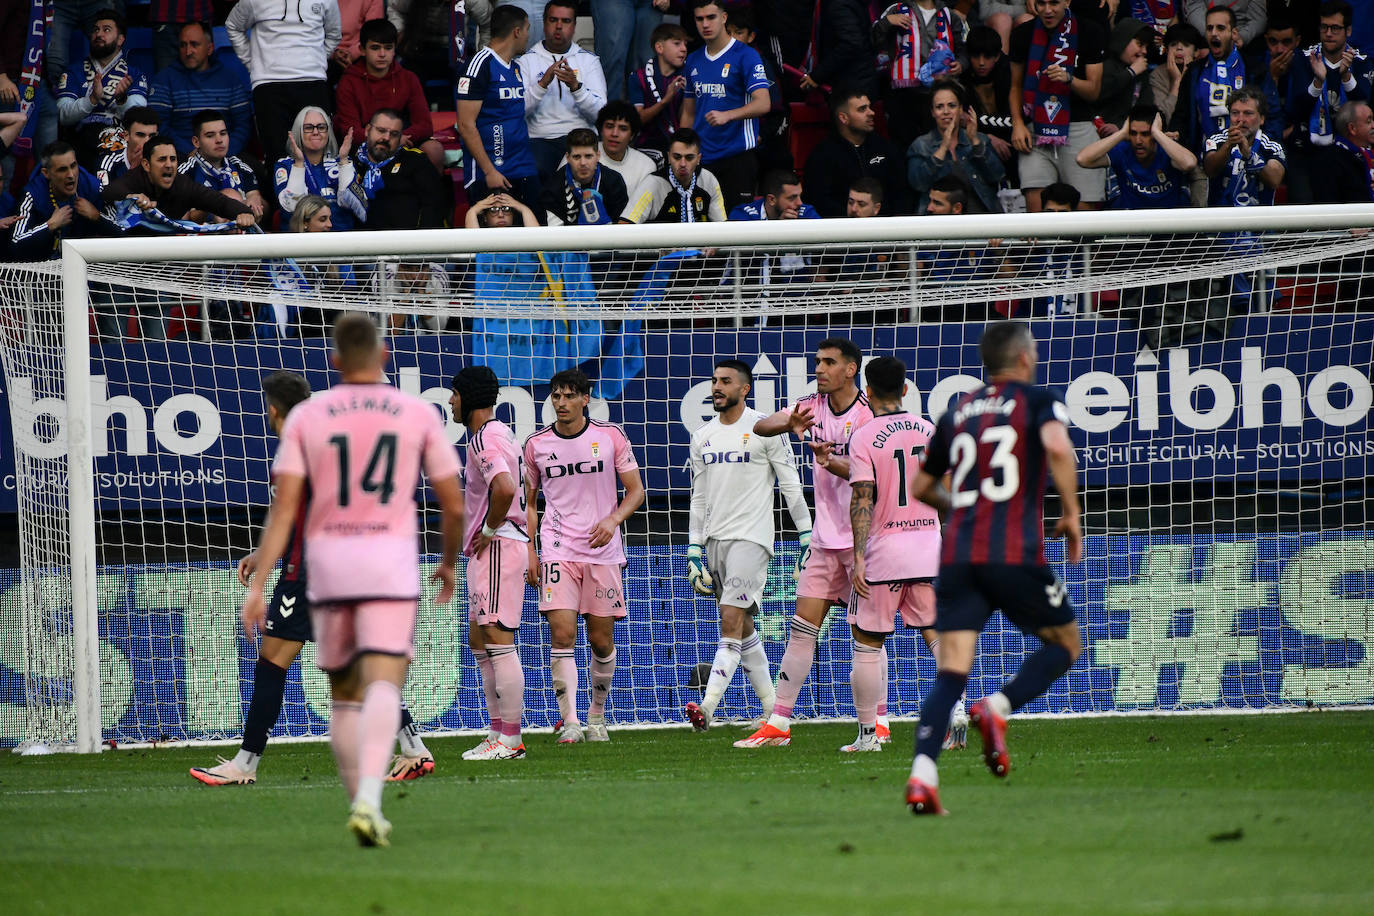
{"x":1207,"y":814}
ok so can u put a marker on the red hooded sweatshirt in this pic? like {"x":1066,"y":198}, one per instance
{"x":360,"y":96}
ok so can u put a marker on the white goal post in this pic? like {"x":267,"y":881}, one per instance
{"x":1222,"y":425}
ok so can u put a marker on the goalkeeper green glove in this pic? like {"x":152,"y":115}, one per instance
{"x":698,"y":574}
{"x":804,"y":539}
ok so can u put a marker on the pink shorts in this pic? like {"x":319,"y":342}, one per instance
{"x":826,"y":575}
{"x":496,"y":584}
{"x":347,"y":629}
{"x":915,"y":601}
{"x":594,"y":589}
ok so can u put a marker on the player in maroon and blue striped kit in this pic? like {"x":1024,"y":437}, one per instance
{"x":1002,"y":443}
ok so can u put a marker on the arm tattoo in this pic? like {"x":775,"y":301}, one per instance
{"x":861,"y":513}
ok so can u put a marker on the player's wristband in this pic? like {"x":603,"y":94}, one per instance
{"x":694,"y":551}
{"x":488,"y":531}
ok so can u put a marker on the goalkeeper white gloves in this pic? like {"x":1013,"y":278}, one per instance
{"x":698,"y":574}
{"x":804,"y":539}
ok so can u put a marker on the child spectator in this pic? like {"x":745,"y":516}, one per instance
{"x":987,"y":84}
{"x":1123,"y":74}
{"x":656,"y":88}
{"x":375,"y":81}
{"x":1181,"y":44}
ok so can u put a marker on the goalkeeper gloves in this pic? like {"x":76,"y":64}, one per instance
{"x":805,"y":541}
{"x":698,"y":574}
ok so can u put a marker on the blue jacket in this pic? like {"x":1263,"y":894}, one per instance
{"x":980,"y":169}
{"x":178,"y":94}
{"x":32,"y":239}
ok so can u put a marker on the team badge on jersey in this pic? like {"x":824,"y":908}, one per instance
{"x":725,"y":70}
{"x":596,"y":449}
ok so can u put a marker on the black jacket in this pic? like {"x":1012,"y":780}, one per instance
{"x":564,"y":201}
{"x":184,"y":194}
{"x":835,"y":163}
{"x":1339,"y":176}
{"x":845,"y":58}
{"x":411,"y":195}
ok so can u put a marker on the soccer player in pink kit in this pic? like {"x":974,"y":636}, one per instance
{"x":896,"y":538}
{"x":499,"y":553}
{"x":830,"y":417}
{"x":360,"y":446}
{"x":578,"y":462}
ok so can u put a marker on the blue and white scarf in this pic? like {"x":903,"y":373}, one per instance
{"x":1218,"y":80}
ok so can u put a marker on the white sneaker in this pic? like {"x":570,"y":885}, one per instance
{"x":570,"y":733}
{"x":957,"y":736}
{"x":862,"y":743}
{"x":499,"y":750}
{"x":477,"y":752}
{"x":596,"y":731}
{"x":368,"y":825}
{"x":226,"y":773}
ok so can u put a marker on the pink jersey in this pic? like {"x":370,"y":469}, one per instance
{"x":492,"y":451}
{"x":831,"y":529}
{"x":904,"y":539}
{"x":580,"y":477}
{"x":361,"y":447}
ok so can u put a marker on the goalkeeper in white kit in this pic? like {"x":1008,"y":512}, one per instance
{"x":733,"y":473}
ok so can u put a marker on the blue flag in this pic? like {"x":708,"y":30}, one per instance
{"x":623,"y":352}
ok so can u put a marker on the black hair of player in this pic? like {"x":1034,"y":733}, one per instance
{"x":1337,"y":8}
{"x":1002,"y":343}
{"x":619,"y":110}
{"x":382,"y":31}
{"x":983,"y":41}
{"x":1230,"y":13}
{"x":885,"y":376}
{"x":687,"y":137}
{"x":848,"y":349}
{"x":870,"y":186}
{"x":580,"y":138}
{"x":718,"y":4}
{"x":110,"y":15}
{"x":739,"y":366}
{"x":203,"y":117}
{"x":505,"y":19}
{"x":142,"y":114}
{"x":477,"y":388}
{"x":1184,"y":33}
{"x":742,"y":19}
{"x":575,"y":379}
{"x":777,"y":179}
{"x":53,"y":150}
{"x":285,"y":389}
{"x":150,"y":147}
{"x":1144,"y":113}
{"x":1061,"y":193}
{"x":954,"y":188}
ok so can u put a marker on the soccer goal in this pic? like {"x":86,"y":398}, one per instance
{"x":1216,"y":366}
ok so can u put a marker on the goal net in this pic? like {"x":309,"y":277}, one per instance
{"x":1216,"y":368}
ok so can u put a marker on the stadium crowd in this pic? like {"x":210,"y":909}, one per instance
{"x":344,"y":114}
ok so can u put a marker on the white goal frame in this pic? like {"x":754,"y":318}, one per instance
{"x":902,"y":231}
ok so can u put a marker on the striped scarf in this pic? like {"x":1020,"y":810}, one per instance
{"x":1218,"y":80}
{"x":906,"y":61}
{"x":1043,"y":100}
{"x":40,"y":23}
{"x":686,"y":214}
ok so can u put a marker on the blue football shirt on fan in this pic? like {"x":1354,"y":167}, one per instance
{"x":501,"y":122}
{"x":723,"y":83}
{"x":1146,"y":187}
